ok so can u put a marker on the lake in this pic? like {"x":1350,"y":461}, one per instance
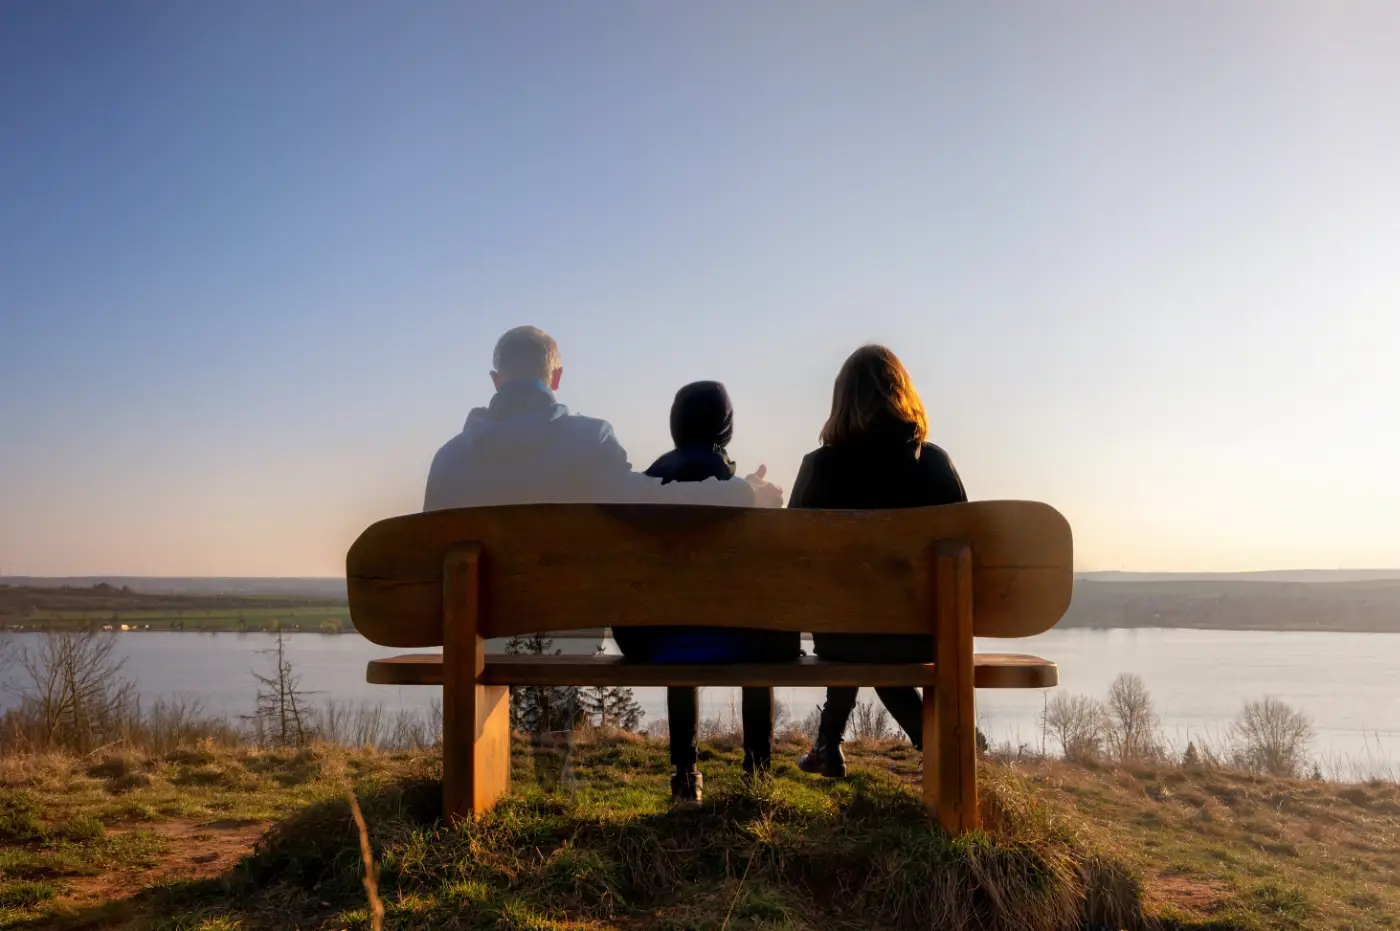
{"x":1199,"y":679}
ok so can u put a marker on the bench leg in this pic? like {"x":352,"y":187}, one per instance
{"x":950,"y":732}
{"x":475,"y":717}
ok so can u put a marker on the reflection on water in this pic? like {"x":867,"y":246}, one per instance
{"x":1199,"y":679}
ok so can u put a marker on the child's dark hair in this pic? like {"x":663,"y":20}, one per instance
{"x":701,"y":415}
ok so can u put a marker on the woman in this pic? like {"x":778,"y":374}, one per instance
{"x":702,"y":424}
{"x":874,"y":454}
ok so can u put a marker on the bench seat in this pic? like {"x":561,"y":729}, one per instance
{"x":990,"y":671}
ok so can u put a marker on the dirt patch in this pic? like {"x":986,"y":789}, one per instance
{"x":234,"y":824}
{"x":1192,"y":893}
{"x":194,"y":850}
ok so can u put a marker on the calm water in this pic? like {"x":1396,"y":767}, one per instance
{"x":1348,"y":684}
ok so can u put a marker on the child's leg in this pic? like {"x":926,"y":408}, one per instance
{"x":683,"y":708}
{"x":758,"y":725}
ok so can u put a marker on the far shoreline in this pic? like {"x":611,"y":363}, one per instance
{"x":601,"y":634}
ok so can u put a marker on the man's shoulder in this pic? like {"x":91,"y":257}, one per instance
{"x":571,"y":425}
{"x":456,"y":445}
{"x":583,"y":424}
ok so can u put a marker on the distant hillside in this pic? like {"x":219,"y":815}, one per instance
{"x":101,"y":600}
{"x":320,"y":588}
{"x":1342,"y":600}
{"x":1272,"y":575}
{"x":1367,"y":606}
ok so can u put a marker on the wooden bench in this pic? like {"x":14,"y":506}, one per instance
{"x":456,"y":578}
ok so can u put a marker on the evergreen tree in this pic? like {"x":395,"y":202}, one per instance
{"x":1192,"y":756}
{"x":541,"y":709}
{"x":610,"y":706}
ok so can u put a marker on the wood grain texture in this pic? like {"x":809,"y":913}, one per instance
{"x":475,"y":718}
{"x":571,"y":566}
{"x":990,"y":671}
{"x":491,"y":766}
{"x":950,"y":775}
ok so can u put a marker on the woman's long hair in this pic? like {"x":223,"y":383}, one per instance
{"x":873,"y":390}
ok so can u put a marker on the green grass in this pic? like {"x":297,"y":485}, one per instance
{"x":1064,"y":847}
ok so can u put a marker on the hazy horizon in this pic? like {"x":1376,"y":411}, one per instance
{"x":1140,"y":260}
{"x":1270,"y":574}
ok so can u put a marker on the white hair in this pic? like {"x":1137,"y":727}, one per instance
{"x":526,"y":352}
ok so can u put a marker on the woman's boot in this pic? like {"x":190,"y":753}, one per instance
{"x":825,"y":758}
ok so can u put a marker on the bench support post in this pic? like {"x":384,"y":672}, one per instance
{"x":950,"y":731}
{"x":475,"y":717}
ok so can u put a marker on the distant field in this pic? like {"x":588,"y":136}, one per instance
{"x":24,"y":607}
{"x":321,"y":618}
{"x":1368,"y":606}
{"x":41,"y":608}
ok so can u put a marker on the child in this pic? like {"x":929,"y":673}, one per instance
{"x":702,"y":423}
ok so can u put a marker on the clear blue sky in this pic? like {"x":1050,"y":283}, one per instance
{"x":1142,"y":259}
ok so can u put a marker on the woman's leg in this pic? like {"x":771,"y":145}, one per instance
{"x":906,"y":706}
{"x":836,"y":713}
{"x":758,"y":728}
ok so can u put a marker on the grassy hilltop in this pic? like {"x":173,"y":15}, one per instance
{"x":214,"y":839}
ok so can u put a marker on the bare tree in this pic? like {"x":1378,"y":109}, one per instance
{"x":870,"y":722}
{"x":282,"y":715}
{"x":76,"y":698}
{"x":782,"y":717}
{"x":658,"y":729}
{"x":1078,"y":723}
{"x":1270,"y":737}
{"x":1133,"y":726}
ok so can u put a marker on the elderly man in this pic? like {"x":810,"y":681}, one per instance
{"x":526,"y":448}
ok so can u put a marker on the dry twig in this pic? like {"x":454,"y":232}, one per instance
{"x":376,"y":907}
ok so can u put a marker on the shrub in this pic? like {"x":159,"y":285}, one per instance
{"x":79,"y":829}
{"x":19,"y":818}
{"x":25,"y":893}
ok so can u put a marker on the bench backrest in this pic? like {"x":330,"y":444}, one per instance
{"x":573,"y":566}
